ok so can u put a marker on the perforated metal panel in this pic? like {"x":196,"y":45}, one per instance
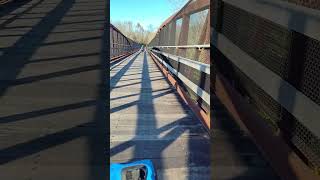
{"x":310,"y":85}
{"x":265,"y":105}
{"x":305,"y":142}
{"x":271,"y":45}
{"x":272,"y":112}
{"x":119,"y":44}
{"x":263,"y":40}
{"x":291,"y":55}
{"x":315,"y":4}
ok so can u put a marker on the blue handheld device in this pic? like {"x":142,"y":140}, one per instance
{"x":138,"y":170}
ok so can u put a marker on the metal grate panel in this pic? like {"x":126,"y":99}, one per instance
{"x":265,"y":105}
{"x":314,"y":4}
{"x":272,"y":46}
{"x":307,"y":143}
{"x":271,"y":111}
{"x":291,"y":55}
{"x":263,"y":40}
{"x":310,"y":85}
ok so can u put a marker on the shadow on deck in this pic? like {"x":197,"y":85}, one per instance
{"x":52,"y":90}
{"x":150,"y":121}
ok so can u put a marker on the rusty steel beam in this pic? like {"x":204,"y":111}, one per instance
{"x":172,"y":36}
{"x":166,"y":40}
{"x":126,"y":54}
{"x":183,"y":39}
{"x":120,"y":45}
{"x":282,"y":158}
{"x":195,"y":46}
{"x":193,"y":7}
{"x":189,"y":8}
{"x":205,"y":39}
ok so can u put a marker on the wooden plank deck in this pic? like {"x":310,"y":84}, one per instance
{"x":150,"y":121}
{"x":51,"y":121}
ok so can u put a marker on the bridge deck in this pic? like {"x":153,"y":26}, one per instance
{"x":150,"y":121}
{"x":234,"y":154}
{"x":51,"y":126}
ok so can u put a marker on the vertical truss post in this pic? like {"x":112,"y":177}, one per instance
{"x":183,"y":40}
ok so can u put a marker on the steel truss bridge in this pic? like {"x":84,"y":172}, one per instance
{"x":225,"y":90}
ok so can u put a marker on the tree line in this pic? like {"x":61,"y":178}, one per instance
{"x":136,"y":31}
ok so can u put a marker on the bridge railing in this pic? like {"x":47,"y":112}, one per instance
{"x":269,"y":53}
{"x":120,"y":45}
{"x":182,"y":46}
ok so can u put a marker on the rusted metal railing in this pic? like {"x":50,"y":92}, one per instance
{"x":182,"y":46}
{"x":120,"y":45}
{"x":267,"y":57}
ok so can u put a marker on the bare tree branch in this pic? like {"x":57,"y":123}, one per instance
{"x":137,"y":32}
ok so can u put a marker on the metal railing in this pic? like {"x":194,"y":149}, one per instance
{"x":187,"y":32}
{"x":120,"y":45}
{"x":272,"y":58}
{"x":182,"y":45}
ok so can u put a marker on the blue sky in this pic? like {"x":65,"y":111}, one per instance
{"x":145,"y":12}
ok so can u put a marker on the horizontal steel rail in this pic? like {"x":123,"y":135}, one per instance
{"x":194,"y":64}
{"x":122,"y":44}
{"x":303,"y":108}
{"x":194,"y":87}
{"x":204,"y":46}
{"x":289,"y":15}
{"x":126,"y":57}
{"x":182,"y":46}
{"x":200,"y":113}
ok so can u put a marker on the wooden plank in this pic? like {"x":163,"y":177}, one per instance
{"x":52,"y":115}
{"x":152,"y":122}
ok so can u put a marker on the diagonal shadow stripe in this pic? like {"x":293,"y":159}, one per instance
{"x":43,"y":112}
{"x":80,"y":22}
{"x":115,"y":79}
{"x":63,"y":58}
{"x":125,"y":85}
{"x":49,"y":75}
{"x":16,"y":16}
{"x":121,"y":97}
{"x":41,"y":30}
{"x":118,"y":62}
{"x":71,"y":41}
{"x":127,"y":144}
{"x":11,"y":6}
{"x":119,"y":108}
{"x":42,"y":143}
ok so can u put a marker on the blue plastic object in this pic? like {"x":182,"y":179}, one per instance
{"x":129,"y":171}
